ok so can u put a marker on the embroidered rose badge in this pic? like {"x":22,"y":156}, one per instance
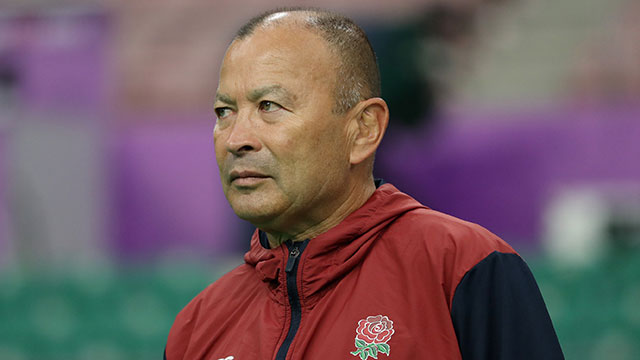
{"x":372,"y":335}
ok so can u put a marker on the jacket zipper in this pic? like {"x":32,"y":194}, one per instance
{"x":291,"y":274}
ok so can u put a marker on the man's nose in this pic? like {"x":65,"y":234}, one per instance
{"x":243,"y":136}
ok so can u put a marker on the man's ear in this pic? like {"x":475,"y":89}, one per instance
{"x":369,"y":122}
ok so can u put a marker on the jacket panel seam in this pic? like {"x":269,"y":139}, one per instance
{"x":485,"y":259}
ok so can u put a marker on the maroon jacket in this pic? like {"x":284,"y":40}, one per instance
{"x":394,"y":280}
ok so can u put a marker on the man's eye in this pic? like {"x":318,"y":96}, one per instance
{"x":269,"y":106}
{"x":223,"y":112}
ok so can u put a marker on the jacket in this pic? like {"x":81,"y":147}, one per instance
{"x":394,"y":280}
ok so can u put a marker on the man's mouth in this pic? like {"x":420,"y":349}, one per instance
{"x":246,"y":177}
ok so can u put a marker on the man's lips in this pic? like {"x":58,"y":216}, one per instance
{"x":246,"y":177}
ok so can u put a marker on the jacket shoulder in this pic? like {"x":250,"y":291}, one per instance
{"x":449,"y":246}
{"x":440,"y":230}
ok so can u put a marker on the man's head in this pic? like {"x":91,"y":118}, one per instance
{"x":294,"y":151}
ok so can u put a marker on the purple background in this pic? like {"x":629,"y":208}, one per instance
{"x":167,"y":193}
{"x":62,"y":61}
{"x":501,"y":169}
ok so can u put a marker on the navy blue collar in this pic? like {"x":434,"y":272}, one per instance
{"x":264,"y":241}
{"x":379,"y":182}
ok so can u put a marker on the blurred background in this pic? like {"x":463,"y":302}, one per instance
{"x":523,"y":116}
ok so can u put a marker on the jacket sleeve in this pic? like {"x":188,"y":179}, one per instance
{"x":498,"y":313}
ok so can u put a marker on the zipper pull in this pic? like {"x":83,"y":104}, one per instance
{"x":293,"y":257}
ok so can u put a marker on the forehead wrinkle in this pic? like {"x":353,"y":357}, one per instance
{"x":256,"y":94}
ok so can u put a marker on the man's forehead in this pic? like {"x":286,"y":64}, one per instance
{"x":276,"y":60}
{"x":271,"y":50}
{"x":274,"y":50}
{"x":257,"y":93}
{"x":283,"y":29}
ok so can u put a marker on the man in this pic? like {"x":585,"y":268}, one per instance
{"x":341,"y":267}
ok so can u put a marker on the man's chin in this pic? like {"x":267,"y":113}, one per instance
{"x":254,"y":216}
{"x":255,"y":208}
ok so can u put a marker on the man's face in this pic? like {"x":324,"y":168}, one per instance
{"x":283,"y":154}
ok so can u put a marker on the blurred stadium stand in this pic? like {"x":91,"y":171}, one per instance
{"x":523,"y":116}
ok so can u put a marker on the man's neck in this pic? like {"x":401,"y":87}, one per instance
{"x":355,"y":199}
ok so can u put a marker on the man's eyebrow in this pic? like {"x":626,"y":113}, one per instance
{"x":225,"y":99}
{"x":256,"y":94}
